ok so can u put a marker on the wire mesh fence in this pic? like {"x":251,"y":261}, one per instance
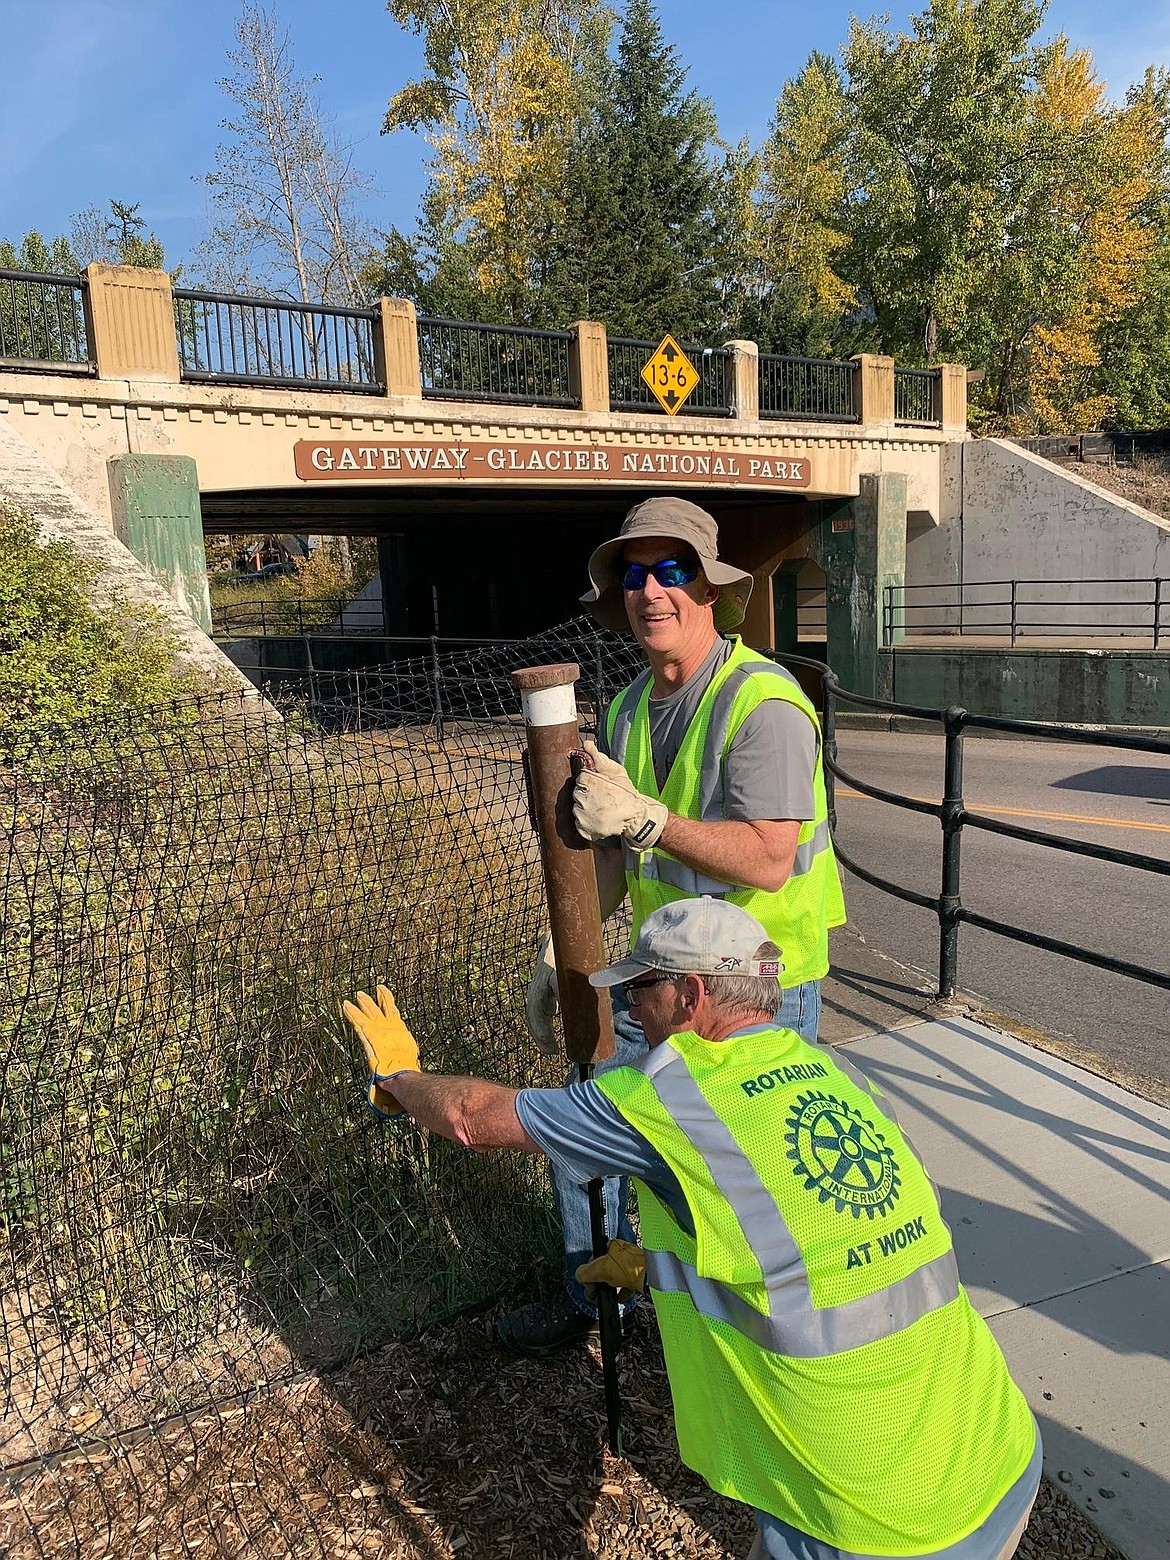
{"x":199,"y":1218}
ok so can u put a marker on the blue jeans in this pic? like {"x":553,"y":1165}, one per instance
{"x":800,"y":1009}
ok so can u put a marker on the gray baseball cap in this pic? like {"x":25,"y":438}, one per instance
{"x":678,"y":520}
{"x":694,"y":937}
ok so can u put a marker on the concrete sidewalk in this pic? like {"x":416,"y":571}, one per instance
{"x":1055,"y":1185}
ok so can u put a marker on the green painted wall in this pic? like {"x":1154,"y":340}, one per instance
{"x":861,"y":546}
{"x":157,"y":516}
{"x":1069,"y":687}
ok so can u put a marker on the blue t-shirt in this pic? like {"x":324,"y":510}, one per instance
{"x":585,"y":1136}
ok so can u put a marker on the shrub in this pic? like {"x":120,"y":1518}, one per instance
{"x":62,"y":659}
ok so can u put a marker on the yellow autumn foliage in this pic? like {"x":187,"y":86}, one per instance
{"x":1114,"y":157}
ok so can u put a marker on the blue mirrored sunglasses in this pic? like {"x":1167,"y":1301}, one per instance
{"x":668,"y":572}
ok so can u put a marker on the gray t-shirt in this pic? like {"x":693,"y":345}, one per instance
{"x":769,"y":767}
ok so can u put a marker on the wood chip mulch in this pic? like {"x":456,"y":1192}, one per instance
{"x":446,"y":1447}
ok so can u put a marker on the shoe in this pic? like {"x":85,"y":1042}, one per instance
{"x":545,"y":1327}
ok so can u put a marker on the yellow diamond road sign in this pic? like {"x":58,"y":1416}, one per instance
{"x":671,"y":375}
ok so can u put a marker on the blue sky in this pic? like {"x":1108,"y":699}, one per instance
{"x":118,"y":98}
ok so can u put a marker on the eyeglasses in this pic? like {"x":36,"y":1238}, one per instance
{"x":629,"y":987}
{"x":668,"y":573}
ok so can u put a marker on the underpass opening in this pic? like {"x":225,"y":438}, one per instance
{"x":509,"y":561}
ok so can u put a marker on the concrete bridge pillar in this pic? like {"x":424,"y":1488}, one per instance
{"x":861,"y":545}
{"x":130,"y":321}
{"x":396,"y":348}
{"x":873,"y":390}
{"x":155,"y":502}
{"x":745,"y":381}
{"x":589,"y":365}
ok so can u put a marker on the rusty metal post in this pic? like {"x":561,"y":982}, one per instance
{"x":570,"y":878}
{"x":574,"y":910}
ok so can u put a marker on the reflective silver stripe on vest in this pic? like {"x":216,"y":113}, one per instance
{"x":792,"y":1325}
{"x":624,"y":716}
{"x":711,"y":771}
{"x":815,"y":1333}
{"x":654,"y":866}
{"x":808,"y":852}
{"x":665,"y":869}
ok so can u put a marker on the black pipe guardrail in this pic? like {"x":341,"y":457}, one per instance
{"x":1145,"y":608}
{"x":272,"y":341}
{"x":954,"y":816}
{"x":463,"y":361}
{"x":42,"y":323}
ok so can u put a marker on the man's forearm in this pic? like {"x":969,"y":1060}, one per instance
{"x":470,"y":1111}
{"x":752,"y":855}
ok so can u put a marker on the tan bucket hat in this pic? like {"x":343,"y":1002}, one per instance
{"x":681,"y":521}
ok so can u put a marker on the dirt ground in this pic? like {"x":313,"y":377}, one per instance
{"x":446,"y":1447}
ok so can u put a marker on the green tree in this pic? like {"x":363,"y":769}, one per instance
{"x":1134,"y":348}
{"x":119,"y":238}
{"x":795,"y":299}
{"x":649,"y":239}
{"x":500,"y":107}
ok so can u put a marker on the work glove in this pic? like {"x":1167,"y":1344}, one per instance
{"x":389,"y":1046}
{"x":623,"y":1266}
{"x":606,"y":802}
{"x":543,"y":1002}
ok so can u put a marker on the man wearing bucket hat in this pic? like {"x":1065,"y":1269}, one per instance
{"x":826,"y":1365}
{"x":708,"y":779}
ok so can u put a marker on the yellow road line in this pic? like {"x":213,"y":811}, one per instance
{"x":1029,"y":812}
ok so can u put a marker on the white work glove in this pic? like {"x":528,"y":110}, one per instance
{"x":543,"y":1002}
{"x":606,"y":802}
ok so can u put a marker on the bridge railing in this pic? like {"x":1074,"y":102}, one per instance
{"x":42,"y":323}
{"x":917,"y":397}
{"x":269,"y":341}
{"x":1133,"y":609}
{"x":815,"y":389}
{"x":463,"y":361}
{"x":129,"y":323}
{"x":629,"y":392}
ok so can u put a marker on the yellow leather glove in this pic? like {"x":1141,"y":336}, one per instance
{"x":607,"y":802}
{"x":623,"y":1266}
{"x":389,"y":1046}
{"x":543,"y":1002}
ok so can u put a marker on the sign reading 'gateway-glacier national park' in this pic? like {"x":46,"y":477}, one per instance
{"x":422,"y":460}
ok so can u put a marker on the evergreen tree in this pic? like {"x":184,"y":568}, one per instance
{"x":648,"y":214}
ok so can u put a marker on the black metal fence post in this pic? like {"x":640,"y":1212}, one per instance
{"x":1013,"y":611}
{"x":1158,"y":583}
{"x":951,"y":818}
{"x":829,"y":735}
{"x":437,"y":686}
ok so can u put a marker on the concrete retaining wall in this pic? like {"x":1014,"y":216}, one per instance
{"x":1067,"y":687}
{"x":1025,"y":518}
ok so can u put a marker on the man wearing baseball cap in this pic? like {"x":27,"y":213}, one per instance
{"x":708,"y":780}
{"x":826,"y":1365}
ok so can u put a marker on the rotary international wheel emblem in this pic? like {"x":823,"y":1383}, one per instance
{"x":841,"y":1155}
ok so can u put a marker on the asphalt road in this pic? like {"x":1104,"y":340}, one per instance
{"x":1104,"y":795}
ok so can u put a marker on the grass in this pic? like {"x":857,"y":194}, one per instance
{"x":183,"y":1135}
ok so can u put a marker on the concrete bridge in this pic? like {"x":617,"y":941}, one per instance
{"x":487,"y":461}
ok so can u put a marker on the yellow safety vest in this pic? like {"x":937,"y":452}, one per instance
{"x":825,"y":1363}
{"x":797,"y":917}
